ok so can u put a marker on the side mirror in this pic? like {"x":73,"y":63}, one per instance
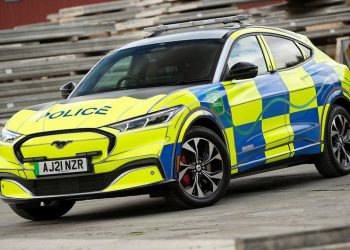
{"x":242,"y":70}
{"x":67,"y":89}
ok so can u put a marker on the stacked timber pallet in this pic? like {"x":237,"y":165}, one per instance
{"x":35,"y":60}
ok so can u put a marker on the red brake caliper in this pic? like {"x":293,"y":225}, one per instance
{"x":186,"y":179}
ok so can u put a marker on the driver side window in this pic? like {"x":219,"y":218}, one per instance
{"x":114,"y":74}
{"x":248,"y":50}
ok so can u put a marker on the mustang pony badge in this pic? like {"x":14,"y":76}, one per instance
{"x":60,"y":144}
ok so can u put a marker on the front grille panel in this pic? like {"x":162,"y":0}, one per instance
{"x":81,"y":141}
{"x":69,"y":185}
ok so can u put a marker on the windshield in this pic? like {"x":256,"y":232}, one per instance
{"x":153,"y":65}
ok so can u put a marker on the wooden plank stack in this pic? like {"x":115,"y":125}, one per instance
{"x":36,"y":59}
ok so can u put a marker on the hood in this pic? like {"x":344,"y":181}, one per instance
{"x":90,"y":111}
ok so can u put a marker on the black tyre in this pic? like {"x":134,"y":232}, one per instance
{"x":42,"y":211}
{"x":335,"y":160}
{"x":203,"y":169}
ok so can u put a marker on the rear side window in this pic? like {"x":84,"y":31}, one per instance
{"x":248,"y":50}
{"x":284,"y":51}
{"x":307,"y":51}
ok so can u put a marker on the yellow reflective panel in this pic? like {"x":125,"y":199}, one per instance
{"x":18,"y":119}
{"x":322,"y":114}
{"x":7,"y":156}
{"x":241,"y":92}
{"x":140,"y":107}
{"x":251,"y":111}
{"x":344,"y":76}
{"x":140,"y":142}
{"x":347,"y":96}
{"x":188,"y":122}
{"x":301,"y":88}
{"x":136,"y":178}
{"x":275,"y":132}
{"x":175,"y":126}
{"x":87,"y":114}
{"x":292,"y":149}
{"x":234,"y":171}
{"x":231,"y":145}
{"x":30,"y":174}
{"x":183,"y":97}
{"x":245,"y":101}
{"x":114,"y":162}
{"x":277,"y":154}
{"x":320,"y":57}
{"x":79,"y":143}
{"x":289,"y":128}
{"x":5,"y":164}
{"x":22,"y":174}
{"x":11,"y":190}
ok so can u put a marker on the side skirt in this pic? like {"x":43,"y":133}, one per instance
{"x":290,"y":162}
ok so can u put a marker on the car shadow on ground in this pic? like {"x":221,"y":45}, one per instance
{"x":239,"y":188}
{"x":258,"y":183}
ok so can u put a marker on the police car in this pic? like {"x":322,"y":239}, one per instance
{"x":179,"y":114}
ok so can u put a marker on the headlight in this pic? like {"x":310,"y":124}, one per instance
{"x":8,"y":136}
{"x":151,"y":119}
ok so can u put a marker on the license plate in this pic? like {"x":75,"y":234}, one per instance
{"x":67,"y":166}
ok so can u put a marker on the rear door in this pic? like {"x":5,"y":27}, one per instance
{"x":302,"y":119}
{"x":258,"y":108}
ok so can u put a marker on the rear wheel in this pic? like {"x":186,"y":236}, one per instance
{"x":335,"y":161}
{"x":203,"y":169}
{"x":42,"y":211}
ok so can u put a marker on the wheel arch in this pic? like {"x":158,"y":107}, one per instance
{"x":204,"y":118}
{"x":339,"y":97}
{"x":208,"y":123}
{"x":328,"y":164}
{"x":343,"y":102}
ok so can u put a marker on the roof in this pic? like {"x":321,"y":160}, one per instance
{"x":182,"y":36}
{"x":214,"y":33}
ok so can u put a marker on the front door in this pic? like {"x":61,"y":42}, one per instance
{"x":258,"y":108}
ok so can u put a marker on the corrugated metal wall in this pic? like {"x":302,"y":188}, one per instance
{"x":20,"y":12}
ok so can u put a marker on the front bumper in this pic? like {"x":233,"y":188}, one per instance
{"x":129,"y":162}
{"x":140,"y":177}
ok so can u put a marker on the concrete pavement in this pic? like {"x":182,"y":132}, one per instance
{"x":279,"y":202}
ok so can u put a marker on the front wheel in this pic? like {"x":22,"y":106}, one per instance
{"x":203,"y":170}
{"x":335,"y":160}
{"x":42,"y":211}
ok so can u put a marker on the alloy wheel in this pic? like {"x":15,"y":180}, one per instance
{"x":200,"y":168}
{"x":340,"y":134}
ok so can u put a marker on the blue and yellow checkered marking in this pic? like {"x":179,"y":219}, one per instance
{"x":212,"y":96}
{"x":274,"y":116}
{"x":289,"y":112}
{"x":271,"y":88}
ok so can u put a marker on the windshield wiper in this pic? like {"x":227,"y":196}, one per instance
{"x":185,"y":82}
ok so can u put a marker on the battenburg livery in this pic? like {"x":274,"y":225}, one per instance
{"x":178,"y":115}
